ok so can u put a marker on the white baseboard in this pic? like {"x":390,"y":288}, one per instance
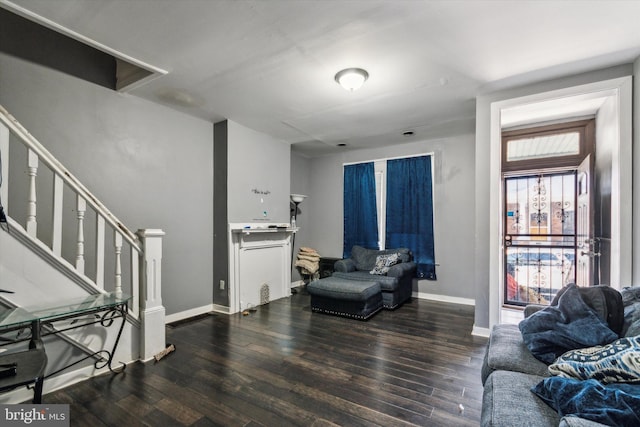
{"x":480,"y":332}
{"x":221,"y":309}
{"x":188,"y":313}
{"x":297,"y":283}
{"x":444,"y":298}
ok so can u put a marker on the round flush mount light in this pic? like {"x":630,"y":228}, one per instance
{"x":352,"y":78}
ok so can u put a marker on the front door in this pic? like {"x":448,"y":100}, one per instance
{"x":539,"y":236}
{"x":586,"y":248}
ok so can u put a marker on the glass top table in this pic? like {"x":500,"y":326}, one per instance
{"x":31,"y":363}
{"x":59,"y":310}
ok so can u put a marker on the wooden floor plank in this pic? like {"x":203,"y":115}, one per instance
{"x":285,"y":366}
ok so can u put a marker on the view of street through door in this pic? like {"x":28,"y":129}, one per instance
{"x":539,"y":237}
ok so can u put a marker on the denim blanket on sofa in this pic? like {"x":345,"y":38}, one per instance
{"x":612,"y":404}
{"x":569,"y":325}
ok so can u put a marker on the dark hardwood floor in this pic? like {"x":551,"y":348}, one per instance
{"x":283,"y":365}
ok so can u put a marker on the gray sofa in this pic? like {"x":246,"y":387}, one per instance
{"x":510,"y":370}
{"x":396,"y":284}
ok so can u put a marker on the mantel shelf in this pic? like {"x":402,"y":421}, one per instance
{"x":264,"y":230}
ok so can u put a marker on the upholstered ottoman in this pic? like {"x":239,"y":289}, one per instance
{"x":343,"y":297}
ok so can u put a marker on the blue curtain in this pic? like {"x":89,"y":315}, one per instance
{"x":410,"y":211}
{"x":360,"y":215}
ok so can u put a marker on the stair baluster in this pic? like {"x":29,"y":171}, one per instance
{"x":100,"y":252}
{"x":32,"y":165}
{"x":81,"y":209}
{"x":56,"y":238}
{"x":118,"y":246}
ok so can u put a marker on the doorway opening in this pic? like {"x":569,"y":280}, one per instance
{"x":540,"y":216}
{"x":609,"y":102}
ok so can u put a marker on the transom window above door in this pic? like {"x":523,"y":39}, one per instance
{"x":538,"y":147}
{"x":559,"y":145}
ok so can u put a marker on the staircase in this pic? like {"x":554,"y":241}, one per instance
{"x":60,"y":242}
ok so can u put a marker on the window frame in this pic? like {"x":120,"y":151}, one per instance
{"x":585,"y":128}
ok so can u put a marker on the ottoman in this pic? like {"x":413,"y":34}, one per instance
{"x":343,"y":297}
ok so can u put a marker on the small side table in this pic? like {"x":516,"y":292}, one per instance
{"x":326,"y":266}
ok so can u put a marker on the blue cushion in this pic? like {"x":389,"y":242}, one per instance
{"x":612,"y":404}
{"x":571,"y":324}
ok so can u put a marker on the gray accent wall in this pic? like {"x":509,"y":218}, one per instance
{"x":150,"y":165}
{"x":453,"y":207}
{"x":220,"y":219}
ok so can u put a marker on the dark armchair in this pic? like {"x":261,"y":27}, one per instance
{"x":395,"y":280}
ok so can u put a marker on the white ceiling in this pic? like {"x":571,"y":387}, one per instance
{"x":270,"y":64}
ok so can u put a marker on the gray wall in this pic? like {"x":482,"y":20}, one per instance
{"x":259,"y":162}
{"x":483,"y":222}
{"x":453,"y":199}
{"x":151,"y":166}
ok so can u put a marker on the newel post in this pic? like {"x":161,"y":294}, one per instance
{"x":152,"y":333}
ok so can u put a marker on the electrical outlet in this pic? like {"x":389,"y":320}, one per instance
{"x":222,"y":285}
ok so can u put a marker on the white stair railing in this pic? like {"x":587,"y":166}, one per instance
{"x":138,"y":282}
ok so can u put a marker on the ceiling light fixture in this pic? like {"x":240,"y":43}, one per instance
{"x":351,"y":78}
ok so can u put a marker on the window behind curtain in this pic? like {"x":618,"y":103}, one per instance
{"x":404,"y":208}
{"x":360,"y":217}
{"x":409,"y":219}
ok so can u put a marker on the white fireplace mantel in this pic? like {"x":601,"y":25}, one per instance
{"x":259,"y":255}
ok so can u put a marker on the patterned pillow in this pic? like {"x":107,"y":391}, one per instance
{"x":615,"y":362}
{"x":383,"y":262}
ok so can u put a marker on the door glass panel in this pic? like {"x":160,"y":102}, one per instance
{"x":540,"y":236}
